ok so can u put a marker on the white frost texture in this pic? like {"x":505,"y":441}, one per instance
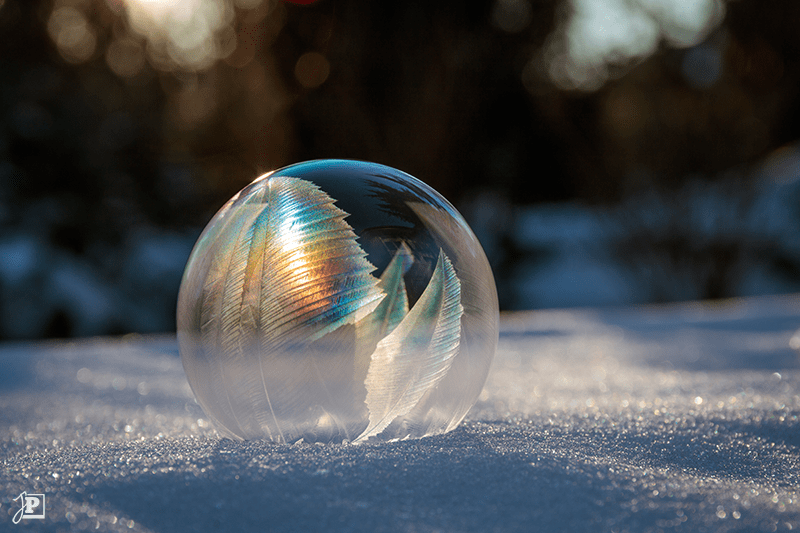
{"x":651,"y":419}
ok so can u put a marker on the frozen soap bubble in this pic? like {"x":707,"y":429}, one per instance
{"x":337,"y":300}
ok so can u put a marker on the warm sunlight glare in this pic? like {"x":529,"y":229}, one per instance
{"x":187,"y":34}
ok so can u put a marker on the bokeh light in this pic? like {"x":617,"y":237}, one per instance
{"x":72,"y":32}
{"x":190,"y":34}
{"x":312,"y":69}
{"x":598,"y":35}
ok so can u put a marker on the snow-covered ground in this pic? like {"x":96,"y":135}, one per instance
{"x":667,"y":418}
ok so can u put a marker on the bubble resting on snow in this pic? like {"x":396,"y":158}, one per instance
{"x":586,"y":414}
{"x":337,"y":300}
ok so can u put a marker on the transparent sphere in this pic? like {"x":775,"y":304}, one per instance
{"x":337,"y":300}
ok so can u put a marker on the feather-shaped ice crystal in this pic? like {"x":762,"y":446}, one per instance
{"x":337,"y":300}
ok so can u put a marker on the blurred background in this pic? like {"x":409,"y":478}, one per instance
{"x":606,"y":152}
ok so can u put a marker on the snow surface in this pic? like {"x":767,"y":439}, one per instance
{"x":671,"y":418}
